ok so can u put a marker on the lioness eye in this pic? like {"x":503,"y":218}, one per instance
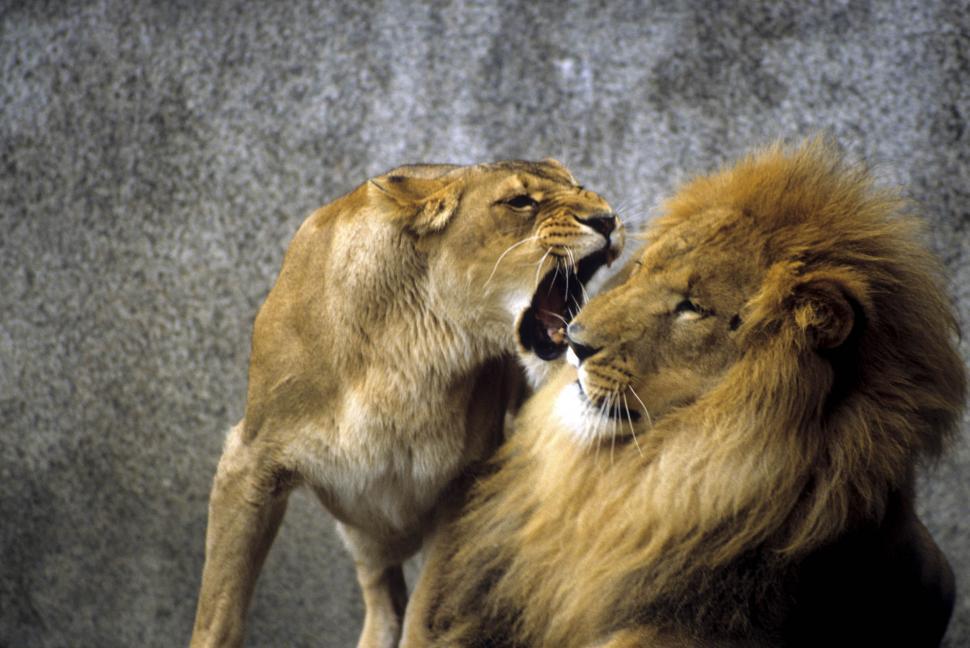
{"x":521,"y":202}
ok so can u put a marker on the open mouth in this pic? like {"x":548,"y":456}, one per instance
{"x":556,"y":301}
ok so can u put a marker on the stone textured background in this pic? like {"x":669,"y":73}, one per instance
{"x":156,"y":157}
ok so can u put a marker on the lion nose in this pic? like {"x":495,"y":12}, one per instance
{"x":604,"y":223}
{"x":581,"y":350}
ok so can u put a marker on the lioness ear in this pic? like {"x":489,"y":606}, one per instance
{"x":426,"y":204}
{"x":554,"y":162}
{"x":828,"y":308}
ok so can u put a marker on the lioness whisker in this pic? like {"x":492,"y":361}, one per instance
{"x":502,"y":256}
{"x":579,"y":304}
{"x":572,"y":261}
{"x":626,"y":207}
{"x":539,"y":267}
{"x":557,"y":316}
{"x":585,"y":295}
{"x":566,"y":271}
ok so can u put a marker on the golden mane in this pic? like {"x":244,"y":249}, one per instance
{"x":846,"y":375}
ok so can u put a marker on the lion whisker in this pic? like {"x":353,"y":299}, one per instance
{"x":613,"y":397}
{"x":589,"y":420}
{"x":594,"y":422}
{"x":629,"y":417}
{"x":598,"y":421}
{"x":645,"y":410}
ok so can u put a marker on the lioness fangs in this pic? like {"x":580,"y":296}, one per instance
{"x":379,"y":365}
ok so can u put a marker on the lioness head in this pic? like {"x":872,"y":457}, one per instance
{"x":507,"y":243}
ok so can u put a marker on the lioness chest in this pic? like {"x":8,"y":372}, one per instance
{"x":384,"y":455}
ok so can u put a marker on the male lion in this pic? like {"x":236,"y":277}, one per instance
{"x":378,"y":368}
{"x":730,"y":459}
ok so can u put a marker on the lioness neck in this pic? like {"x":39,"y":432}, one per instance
{"x":335,"y":323}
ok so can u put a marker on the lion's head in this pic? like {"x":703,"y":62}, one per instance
{"x":785,"y":312}
{"x":772,"y":367}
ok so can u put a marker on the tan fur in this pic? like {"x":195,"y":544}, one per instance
{"x":777,"y":410}
{"x":380,"y":368}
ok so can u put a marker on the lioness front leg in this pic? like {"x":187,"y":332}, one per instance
{"x":381,"y":579}
{"x":246,"y":507}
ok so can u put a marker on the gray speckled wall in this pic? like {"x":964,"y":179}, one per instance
{"x":155,"y":158}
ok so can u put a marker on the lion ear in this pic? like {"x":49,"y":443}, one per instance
{"x":828,"y":308}
{"x":426,"y":204}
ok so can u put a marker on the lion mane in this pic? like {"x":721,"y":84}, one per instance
{"x":688,"y":524}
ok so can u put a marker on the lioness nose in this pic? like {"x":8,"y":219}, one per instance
{"x":581,"y":350}
{"x":604,"y":223}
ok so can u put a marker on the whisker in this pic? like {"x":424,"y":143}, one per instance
{"x":632,"y":206}
{"x":557,"y":316}
{"x":556,"y":270}
{"x":585,"y":295}
{"x":566,"y":271}
{"x":579,"y":304}
{"x":645,"y":410}
{"x":596,"y":427}
{"x":585,"y":417}
{"x":572,"y":260}
{"x":600,"y":417}
{"x":594,"y":422}
{"x":613,"y":424}
{"x":509,"y":249}
{"x":629,"y":417}
{"x":539,"y":267}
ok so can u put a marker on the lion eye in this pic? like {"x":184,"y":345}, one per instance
{"x":686,"y":306}
{"x":688,"y":310}
{"x":523,"y":201}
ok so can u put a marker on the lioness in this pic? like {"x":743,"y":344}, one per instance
{"x":378,"y":367}
{"x":730,"y":459}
